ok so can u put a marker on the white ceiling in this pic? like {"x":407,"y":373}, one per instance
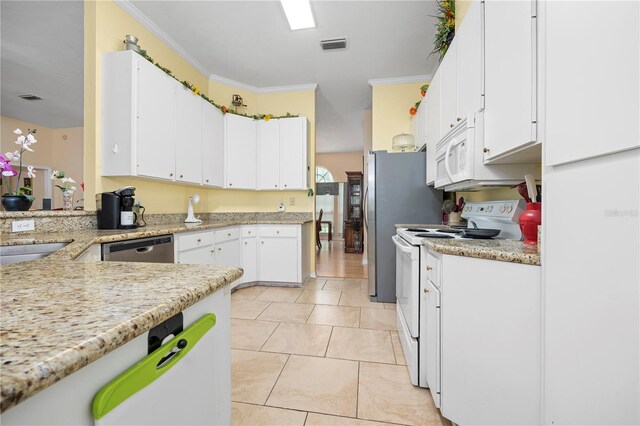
{"x":42,"y":53}
{"x":245,"y":41}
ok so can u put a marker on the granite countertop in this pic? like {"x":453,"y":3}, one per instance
{"x":501,"y":250}
{"x":59,"y":314}
{"x":79,"y":241}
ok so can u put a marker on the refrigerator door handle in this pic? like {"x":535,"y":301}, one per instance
{"x":364,"y":212}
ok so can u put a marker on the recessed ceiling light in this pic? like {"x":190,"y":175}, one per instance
{"x":299,"y":14}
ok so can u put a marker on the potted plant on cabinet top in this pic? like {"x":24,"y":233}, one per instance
{"x":18,"y":199}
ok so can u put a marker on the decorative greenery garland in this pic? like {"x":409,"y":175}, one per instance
{"x":196,"y":91}
{"x":445,"y":28}
{"x":423,"y":91}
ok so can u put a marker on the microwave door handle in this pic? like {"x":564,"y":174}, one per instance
{"x":447,"y":168}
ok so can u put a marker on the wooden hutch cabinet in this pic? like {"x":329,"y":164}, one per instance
{"x":353,"y":214}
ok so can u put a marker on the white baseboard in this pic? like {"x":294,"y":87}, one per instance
{"x":313,"y":275}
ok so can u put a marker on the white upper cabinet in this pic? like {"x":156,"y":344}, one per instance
{"x":431,"y":104}
{"x":137,"y":118}
{"x":282,"y":154}
{"x":293,"y":153}
{"x":269,"y":154}
{"x":240,"y":152}
{"x":469,"y":53}
{"x":590,"y":78}
{"x":449,"y":90}
{"x":155,"y":99}
{"x":510,"y":77}
{"x":212,"y":146}
{"x":188,"y":135}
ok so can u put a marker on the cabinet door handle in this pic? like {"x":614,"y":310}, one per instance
{"x":426,"y":290}
{"x":219,"y":248}
{"x":261,"y":242}
{"x":276,"y":186}
{"x":429,"y":268}
{"x":458,"y":119}
{"x":451,"y":125}
{"x":199,"y":240}
{"x":181,"y":176}
{"x":277,"y":232}
{"x":245,"y":243}
{"x":486,"y":150}
{"x":230,"y":184}
{"x":228,"y":235}
{"x":171,"y":174}
{"x":207,"y":180}
{"x":285,"y":185}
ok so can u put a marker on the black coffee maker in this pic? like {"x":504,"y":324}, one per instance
{"x":115,"y":209}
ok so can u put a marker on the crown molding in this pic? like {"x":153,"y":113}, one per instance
{"x":312,"y":87}
{"x":263,"y":90}
{"x":400,"y":80}
{"x":229,"y":82}
{"x":135,"y":13}
{"x":128,"y":7}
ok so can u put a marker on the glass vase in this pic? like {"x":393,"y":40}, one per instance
{"x":67,"y":200}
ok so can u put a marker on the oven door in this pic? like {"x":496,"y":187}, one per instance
{"x":408,"y":283}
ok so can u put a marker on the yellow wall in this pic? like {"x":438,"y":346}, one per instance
{"x":462,"y":6}
{"x":52,"y":150}
{"x":390,"y":111}
{"x":495,"y":194}
{"x":339,"y":163}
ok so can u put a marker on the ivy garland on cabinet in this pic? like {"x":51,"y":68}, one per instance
{"x":196,"y":91}
{"x":414,"y":109}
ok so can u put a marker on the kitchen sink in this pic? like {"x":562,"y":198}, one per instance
{"x":22,"y":253}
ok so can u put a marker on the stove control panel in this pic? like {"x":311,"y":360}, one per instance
{"x":509,"y":210}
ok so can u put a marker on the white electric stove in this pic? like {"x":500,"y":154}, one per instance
{"x":502,"y":215}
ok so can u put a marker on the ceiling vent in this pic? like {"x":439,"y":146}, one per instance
{"x":30,"y":97}
{"x":334,"y":44}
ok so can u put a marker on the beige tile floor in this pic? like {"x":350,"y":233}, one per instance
{"x":321,"y":355}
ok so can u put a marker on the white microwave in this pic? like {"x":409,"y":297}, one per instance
{"x":454,"y":154}
{"x":460,"y":160}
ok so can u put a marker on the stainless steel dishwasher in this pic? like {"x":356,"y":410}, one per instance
{"x":153,"y":249}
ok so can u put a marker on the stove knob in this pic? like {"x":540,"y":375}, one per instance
{"x":503,"y":208}
{"x":509,"y":209}
{"x":489,"y":209}
{"x":467,"y":209}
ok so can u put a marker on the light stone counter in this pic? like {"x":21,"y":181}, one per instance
{"x":59,"y":315}
{"x":501,"y":250}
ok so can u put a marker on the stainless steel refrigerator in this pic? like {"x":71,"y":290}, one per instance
{"x":396,"y":193}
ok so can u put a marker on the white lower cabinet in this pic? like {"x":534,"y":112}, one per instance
{"x":280,"y":253}
{"x":272,"y":253}
{"x":197,"y":256}
{"x":227,"y":253}
{"x":249,"y":252}
{"x":195,"y":248}
{"x":432,"y":334}
{"x":490,"y":342}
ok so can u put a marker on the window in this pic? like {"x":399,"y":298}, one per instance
{"x":323,"y":175}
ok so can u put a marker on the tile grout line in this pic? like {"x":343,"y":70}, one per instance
{"x":267,"y":339}
{"x":358,"y":391}
{"x":276,"y":382}
{"x":328,"y":343}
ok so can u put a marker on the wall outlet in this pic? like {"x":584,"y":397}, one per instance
{"x":23,"y":225}
{"x":292,"y":201}
{"x":281,"y":207}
